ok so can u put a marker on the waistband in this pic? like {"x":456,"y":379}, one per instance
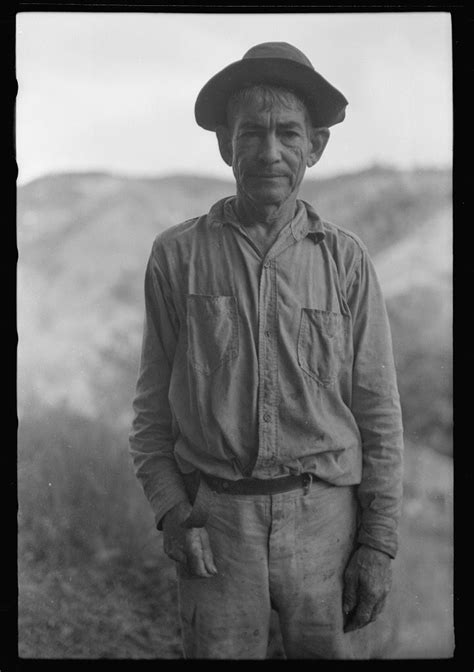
{"x":258,"y":486}
{"x":201,"y":489}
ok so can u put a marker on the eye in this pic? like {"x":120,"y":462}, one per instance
{"x":291,"y":135}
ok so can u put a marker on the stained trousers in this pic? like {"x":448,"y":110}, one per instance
{"x":286,"y":551}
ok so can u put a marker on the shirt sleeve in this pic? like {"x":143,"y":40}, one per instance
{"x":376,"y":408}
{"x":152,"y":438}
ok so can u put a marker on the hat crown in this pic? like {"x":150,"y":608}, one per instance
{"x":277,"y":64}
{"x":278,"y":50}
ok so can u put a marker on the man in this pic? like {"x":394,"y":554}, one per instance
{"x":267,"y":431}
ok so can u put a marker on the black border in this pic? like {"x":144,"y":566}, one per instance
{"x":463,"y":275}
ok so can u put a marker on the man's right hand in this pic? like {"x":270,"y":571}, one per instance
{"x":189,"y":546}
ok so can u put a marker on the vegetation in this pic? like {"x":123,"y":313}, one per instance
{"x":94,"y":582}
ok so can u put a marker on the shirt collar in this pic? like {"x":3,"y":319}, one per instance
{"x":309,"y":224}
{"x":306,"y":221}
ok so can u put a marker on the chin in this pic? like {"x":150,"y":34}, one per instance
{"x":267,"y":196}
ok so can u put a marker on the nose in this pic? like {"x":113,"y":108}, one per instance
{"x":269,"y":151}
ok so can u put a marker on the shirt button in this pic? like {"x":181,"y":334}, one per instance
{"x":267,"y":417}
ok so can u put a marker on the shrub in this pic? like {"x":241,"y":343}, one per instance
{"x":78,"y":496}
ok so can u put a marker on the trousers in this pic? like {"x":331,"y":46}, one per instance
{"x":286,"y":552}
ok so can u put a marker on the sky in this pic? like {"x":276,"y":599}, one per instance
{"x":116,"y":91}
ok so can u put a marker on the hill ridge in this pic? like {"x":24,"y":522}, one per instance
{"x":84,"y":242}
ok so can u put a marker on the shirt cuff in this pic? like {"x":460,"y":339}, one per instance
{"x":162,"y":504}
{"x":378,"y":537}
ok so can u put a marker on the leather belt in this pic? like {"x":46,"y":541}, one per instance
{"x":258,"y":486}
{"x":202,"y":488}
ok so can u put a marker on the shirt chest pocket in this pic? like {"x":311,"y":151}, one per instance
{"x":213,"y":331}
{"x":322,"y":341}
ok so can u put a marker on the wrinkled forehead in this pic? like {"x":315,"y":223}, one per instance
{"x":269,"y":116}
{"x":257,"y":105}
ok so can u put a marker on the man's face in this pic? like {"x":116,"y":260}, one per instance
{"x":271,"y":147}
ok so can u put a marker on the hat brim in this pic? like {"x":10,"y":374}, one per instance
{"x":325,"y":103}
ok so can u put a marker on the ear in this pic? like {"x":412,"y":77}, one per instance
{"x":224,"y":140}
{"x":319,"y":139}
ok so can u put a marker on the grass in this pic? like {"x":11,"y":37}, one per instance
{"x":100,"y":610}
{"x":95,"y":583}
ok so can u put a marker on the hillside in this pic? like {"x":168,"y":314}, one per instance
{"x":83,"y":243}
{"x":93,"y":580}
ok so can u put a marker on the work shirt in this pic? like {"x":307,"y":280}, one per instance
{"x":267,"y":365}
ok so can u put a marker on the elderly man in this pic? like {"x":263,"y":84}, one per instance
{"x":267,"y":431}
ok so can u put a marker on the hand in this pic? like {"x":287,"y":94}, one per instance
{"x":367,"y":582}
{"x":191,"y":546}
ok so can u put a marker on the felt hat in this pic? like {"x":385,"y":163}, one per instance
{"x":277,"y":63}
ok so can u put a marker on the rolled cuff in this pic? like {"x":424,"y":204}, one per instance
{"x":164,"y":502}
{"x":379,"y":538}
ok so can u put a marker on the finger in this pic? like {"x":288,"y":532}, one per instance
{"x":195,"y":554}
{"x":361,"y":616}
{"x":377,"y":609}
{"x":176,"y":554}
{"x":207,"y":553}
{"x":349,"y":600}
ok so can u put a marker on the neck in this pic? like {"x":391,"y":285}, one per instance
{"x":271,"y":216}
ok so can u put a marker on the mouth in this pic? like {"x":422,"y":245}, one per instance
{"x":267,"y":177}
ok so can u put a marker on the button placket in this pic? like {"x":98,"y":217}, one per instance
{"x":268,"y":358}
{"x":267,"y":363}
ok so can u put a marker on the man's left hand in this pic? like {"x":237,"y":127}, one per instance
{"x":367,"y":582}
